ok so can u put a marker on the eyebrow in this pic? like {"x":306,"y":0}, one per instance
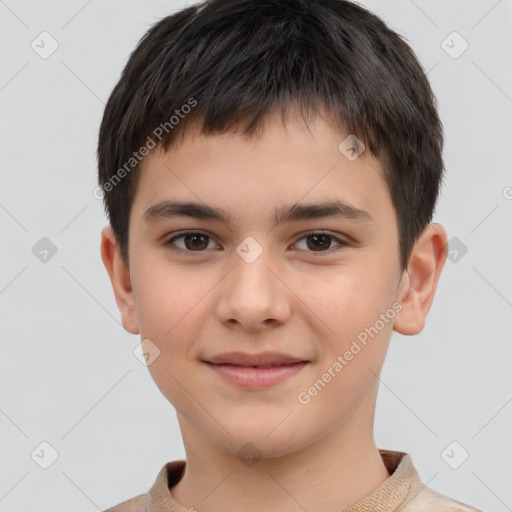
{"x":168,"y":209}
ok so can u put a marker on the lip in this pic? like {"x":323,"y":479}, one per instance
{"x":250,"y":377}
{"x":252,"y":371}
{"x":255,"y":359}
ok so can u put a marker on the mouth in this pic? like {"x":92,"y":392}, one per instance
{"x":255,"y":377}
{"x":260,"y":360}
{"x":260,"y":366}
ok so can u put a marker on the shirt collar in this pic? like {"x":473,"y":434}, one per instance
{"x":386,"y":498}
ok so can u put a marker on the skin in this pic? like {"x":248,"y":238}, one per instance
{"x":297,"y":297}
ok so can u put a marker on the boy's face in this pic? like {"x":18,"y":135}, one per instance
{"x":256,"y":286}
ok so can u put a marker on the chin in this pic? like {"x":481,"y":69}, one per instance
{"x":261,"y":440}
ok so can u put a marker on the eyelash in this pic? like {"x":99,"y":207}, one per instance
{"x":342,"y":243}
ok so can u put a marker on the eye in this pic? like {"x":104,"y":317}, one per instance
{"x":195,"y":241}
{"x":320,"y":240}
{"x":192,"y":240}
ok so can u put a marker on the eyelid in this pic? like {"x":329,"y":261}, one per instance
{"x":341,"y":242}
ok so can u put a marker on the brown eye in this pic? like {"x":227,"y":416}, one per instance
{"x":321,"y":242}
{"x":193,"y":241}
{"x":196,"y":241}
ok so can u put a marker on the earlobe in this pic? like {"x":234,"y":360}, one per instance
{"x":419,"y":281}
{"x":120,"y":278}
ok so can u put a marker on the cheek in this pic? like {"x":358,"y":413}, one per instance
{"x":171,"y":314}
{"x":350,"y":303}
{"x":348,"y":299}
{"x":172,"y":305}
{"x":167,"y":298}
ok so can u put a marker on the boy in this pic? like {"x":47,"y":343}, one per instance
{"x":270,"y":171}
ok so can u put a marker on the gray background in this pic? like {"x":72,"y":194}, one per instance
{"x":68,"y":375}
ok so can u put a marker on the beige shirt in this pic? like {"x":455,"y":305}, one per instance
{"x":402,"y":491}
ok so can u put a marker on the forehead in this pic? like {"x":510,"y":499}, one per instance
{"x":281,"y":164}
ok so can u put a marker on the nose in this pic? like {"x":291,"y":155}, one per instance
{"x":253,"y":296}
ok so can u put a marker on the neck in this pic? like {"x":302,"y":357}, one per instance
{"x":331,"y":474}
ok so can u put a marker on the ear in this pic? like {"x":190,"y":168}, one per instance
{"x":120,"y":279}
{"x":419,"y":281}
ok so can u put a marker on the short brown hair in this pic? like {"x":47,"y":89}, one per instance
{"x":234,"y":60}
